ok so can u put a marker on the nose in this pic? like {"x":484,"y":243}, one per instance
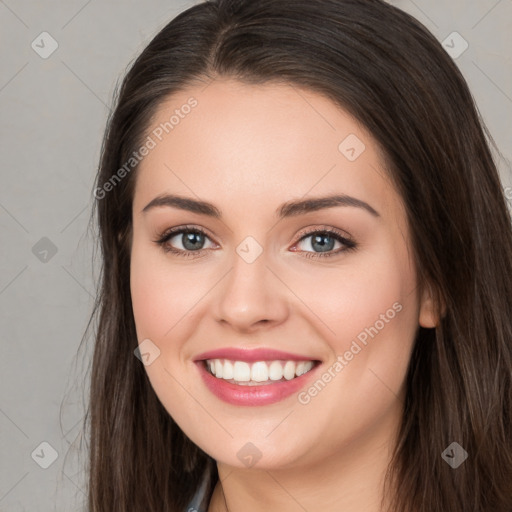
{"x":251,"y":297}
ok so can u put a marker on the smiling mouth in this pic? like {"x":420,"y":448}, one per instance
{"x":257,"y":373}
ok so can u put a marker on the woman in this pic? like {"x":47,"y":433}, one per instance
{"x":307,"y":248}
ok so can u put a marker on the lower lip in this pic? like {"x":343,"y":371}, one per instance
{"x":253,"y":395}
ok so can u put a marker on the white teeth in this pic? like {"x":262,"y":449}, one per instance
{"x":241,"y":371}
{"x":227,"y":370}
{"x":275,"y":370}
{"x":260,"y":371}
{"x":289,"y":370}
{"x":218,"y":368}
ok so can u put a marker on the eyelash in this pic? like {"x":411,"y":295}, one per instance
{"x":350,"y":245}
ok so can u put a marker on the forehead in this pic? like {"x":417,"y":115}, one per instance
{"x":262,"y":144}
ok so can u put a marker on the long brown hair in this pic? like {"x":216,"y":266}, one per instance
{"x":384,"y":68}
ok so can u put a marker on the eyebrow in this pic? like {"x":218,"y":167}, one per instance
{"x":288,"y":209}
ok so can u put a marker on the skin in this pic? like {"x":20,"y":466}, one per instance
{"x":248,"y":149}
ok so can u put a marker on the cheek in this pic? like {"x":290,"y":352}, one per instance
{"x":373,"y":311}
{"x":368,"y":314}
{"x":163,"y":305}
{"x":160,"y":298}
{"x":384,"y":314}
{"x":350,"y":300}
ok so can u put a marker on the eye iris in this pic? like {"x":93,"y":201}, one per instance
{"x":320,"y":240}
{"x":192,"y":241}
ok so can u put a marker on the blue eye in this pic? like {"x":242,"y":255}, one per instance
{"x":193,"y":239}
{"x":323,"y":242}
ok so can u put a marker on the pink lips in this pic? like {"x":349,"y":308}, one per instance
{"x":251,"y":355}
{"x":252,"y":395}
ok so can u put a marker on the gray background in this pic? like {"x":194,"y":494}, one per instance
{"x":53,"y":116}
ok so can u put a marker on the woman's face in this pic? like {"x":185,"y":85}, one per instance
{"x":257,"y":273}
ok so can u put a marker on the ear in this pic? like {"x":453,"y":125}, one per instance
{"x":429,"y":316}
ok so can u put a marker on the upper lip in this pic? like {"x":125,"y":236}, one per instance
{"x":251,"y":355}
